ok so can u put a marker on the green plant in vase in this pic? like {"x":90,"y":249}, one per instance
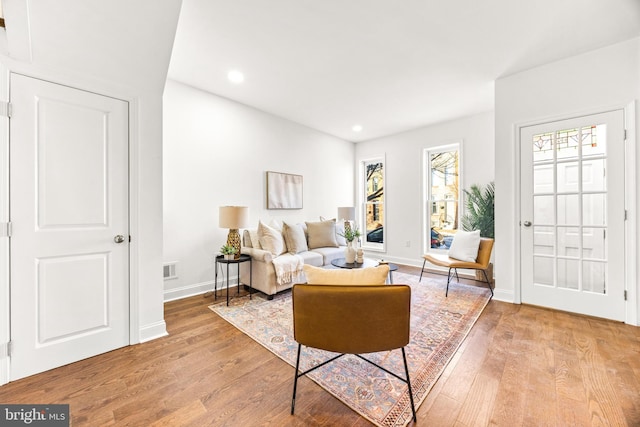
{"x":350,"y":234}
{"x":228,"y":251}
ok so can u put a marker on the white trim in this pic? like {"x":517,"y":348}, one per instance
{"x":631,"y":249}
{"x":153,"y":331}
{"x":5,"y":303}
{"x":457,"y":144}
{"x":361,"y":211}
{"x":192,"y":290}
{"x":135,"y":331}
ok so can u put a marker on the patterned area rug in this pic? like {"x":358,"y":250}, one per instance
{"x":438,"y":327}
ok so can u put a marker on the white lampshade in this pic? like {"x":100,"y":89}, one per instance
{"x":347,"y":213}
{"x":234,"y":217}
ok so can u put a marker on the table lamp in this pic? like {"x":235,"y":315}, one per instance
{"x":347,"y":214}
{"x":234,"y":218}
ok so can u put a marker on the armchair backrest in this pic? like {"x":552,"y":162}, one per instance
{"x":484,"y":251}
{"x":351,"y":319}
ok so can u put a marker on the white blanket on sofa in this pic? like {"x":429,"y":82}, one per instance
{"x":288,"y":268}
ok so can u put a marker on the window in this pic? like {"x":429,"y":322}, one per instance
{"x":372,"y":179}
{"x":442,"y":195}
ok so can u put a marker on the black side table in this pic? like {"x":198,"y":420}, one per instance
{"x":221,"y":260}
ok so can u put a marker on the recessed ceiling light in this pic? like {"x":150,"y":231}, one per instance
{"x":235,"y":76}
{"x":356,"y":128}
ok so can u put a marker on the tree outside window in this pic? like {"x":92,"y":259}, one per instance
{"x":374,"y":202}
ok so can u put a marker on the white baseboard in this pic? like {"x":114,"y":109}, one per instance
{"x":153,"y":331}
{"x":195,"y":289}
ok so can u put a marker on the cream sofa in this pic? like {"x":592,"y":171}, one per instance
{"x":312,"y":243}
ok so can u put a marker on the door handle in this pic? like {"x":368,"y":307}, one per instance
{"x":119,"y":238}
{"x":527,"y":223}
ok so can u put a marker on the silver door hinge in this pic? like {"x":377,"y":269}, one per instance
{"x":5,"y":349}
{"x":625,"y":295}
{"x":625,"y":214}
{"x":5,"y":229}
{"x":5,"y":109}
{"x":625,"y":134}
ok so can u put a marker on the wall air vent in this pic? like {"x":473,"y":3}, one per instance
{"x":169,"y":271}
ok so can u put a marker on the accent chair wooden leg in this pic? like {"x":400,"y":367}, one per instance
{"x":422,"y":271}
{"x":295,"y":381}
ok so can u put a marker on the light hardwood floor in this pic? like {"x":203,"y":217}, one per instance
{"x":519,"y":366}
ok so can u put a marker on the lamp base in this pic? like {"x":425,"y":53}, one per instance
{"x":233,"y":239}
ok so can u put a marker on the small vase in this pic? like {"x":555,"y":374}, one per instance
{"x":350,"y":253}
{"x":229,"y":256}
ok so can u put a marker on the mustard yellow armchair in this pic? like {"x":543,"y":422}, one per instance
{"x":350,"y":319}
{"x":482,"y":262}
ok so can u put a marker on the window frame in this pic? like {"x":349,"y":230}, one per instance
{"x":427,"y":183}
{"x":381,"y":209}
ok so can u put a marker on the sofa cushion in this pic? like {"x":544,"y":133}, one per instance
{"x":340,"y":230}
{"x":329,"y":254}
{"x":250,"y":239}
{"x":322,"y":234}
{"x":294,"y":238}
{"x":465,"y":245}
{"x":312,"y":258}
{"x":271,"y":239}
{"x":346,"y":276}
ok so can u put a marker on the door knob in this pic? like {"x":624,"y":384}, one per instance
{"x":527,"y":223}
{"x":119,"y":238}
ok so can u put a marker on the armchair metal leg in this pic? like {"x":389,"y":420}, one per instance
{"x":406,"y":371}
{"x":446,"y":294}
{"x":488,"y":282}
{"x":295,"y":382}
{"x":422,"y":271}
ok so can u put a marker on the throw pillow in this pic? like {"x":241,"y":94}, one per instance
{"x":322,"y":234}
{"x":340,"y":230}
{"x":271,"y":239}
{"x":465,"y":245}
{"x":345,"y":276}
{"x":294,"y":238}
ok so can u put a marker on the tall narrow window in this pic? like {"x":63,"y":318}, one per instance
{"x":442,"y":195}
{"x":373,"y":203}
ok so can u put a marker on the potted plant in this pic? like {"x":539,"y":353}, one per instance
{"x":479,"y":204}
{"x":350,"y":234}
{"x":228,"y":251}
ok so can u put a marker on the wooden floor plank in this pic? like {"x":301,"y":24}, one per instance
{"x":519,"y":366}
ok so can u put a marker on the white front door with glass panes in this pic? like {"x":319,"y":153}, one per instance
{"x":572,"y":215}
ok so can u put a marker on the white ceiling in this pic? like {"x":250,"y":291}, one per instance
{"x":388,"y":65}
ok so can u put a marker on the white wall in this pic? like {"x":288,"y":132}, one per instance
{"x":216,"y":153}
{"x":403,"y":180}
{"x":601,"y":79}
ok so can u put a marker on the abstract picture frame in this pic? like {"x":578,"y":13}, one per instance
{"x":284,"y":190}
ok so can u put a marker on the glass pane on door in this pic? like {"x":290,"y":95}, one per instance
{"x":569,"y":208}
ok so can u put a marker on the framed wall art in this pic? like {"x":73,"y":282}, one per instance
{"x":284,"y":191}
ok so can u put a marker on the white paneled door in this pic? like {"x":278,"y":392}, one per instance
{"x":573,"y":215}
{"x":70,"y":225}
